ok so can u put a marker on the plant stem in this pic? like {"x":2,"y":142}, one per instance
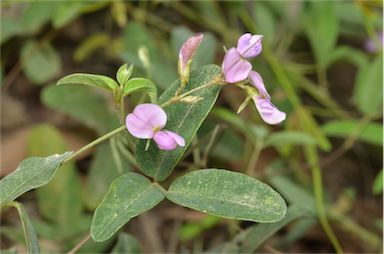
{"x":179,"y":97}
{"x":254,"y":157}
{"x":93,"y":143}
{"x":80,"y":244}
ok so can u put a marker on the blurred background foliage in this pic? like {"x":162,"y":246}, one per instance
{"x":322,"y":62}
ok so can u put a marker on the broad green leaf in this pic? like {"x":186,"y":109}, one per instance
{"x":126,"y":243}
{"x":253,"y":237}
{"x":40,"y":61}
{"x":206,"y":52}
{"x":10,"y":26}
{"x":128,"y":196}
{"x":31,"y":173}
{"x":372,"y":133}
{"x":60,"y":200}
{"x":29,"y":231}
{"x":65,"y":12}
{"x":83,"y":104}
{"x":289,"y":138}
{"x":368,"y":92}
{"x":228,"y":194}
{"x":89,"y":80}
{"x":184,"y":119}
{"x":103,"y":170}
{"x":141,"y":85}
{"x":322,"y":26}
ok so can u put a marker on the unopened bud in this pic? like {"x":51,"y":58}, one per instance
{"x":186,"y":54}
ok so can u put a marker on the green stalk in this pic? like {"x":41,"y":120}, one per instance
{"x":94,"y":143}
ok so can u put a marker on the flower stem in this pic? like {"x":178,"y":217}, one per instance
{"x":93,"y":143}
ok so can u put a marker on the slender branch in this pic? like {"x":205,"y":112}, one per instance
{"x":80,"y":244}
{"x":95,"y":142}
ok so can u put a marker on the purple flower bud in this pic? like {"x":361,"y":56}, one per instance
{"x":147,"y":120}
{"x":268,"y":112}
{"x":370,"y":45}
{"x":249,"y":46}
{"x":235,"y":68}
{"x":187,"y":52}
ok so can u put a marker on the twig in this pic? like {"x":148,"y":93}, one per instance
{"x":80,"y":244}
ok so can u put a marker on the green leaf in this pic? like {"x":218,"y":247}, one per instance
{"x":89,"y":80}
{"x":368,"y":92}
{"x":65,"y":12}
{"x":40,"y":61}
{"x":83,"y":104}
{"x":29,"y":231}
{"x":289,"y":138}
{"x":10,"y":26}
{"x":124,"y":73}
{"x":129,"y":195}
{"x":372,"y":133}
{"x":141,"y":85}
{"x":184,"y":119}
{"x":228,"y":194}
{"x":322,"y":26}
{"x":126,"y":243}
{"x":31,"y":173}
{"x":60,"y":200}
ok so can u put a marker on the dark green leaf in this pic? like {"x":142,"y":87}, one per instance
{"x":141,"y":85}
{"x":228,"y":194}
{"x":368,"y":93}
{"x":29,"y":231}
{"x":83,"y":104}
{"x":184,"y":119}
{"x":372,"y":133}
{"x":128,"y":196}
{"x":377,"y":186}
{"x":40,"y":61}
{"x":89,"y":80}
{"x":32,"y":172}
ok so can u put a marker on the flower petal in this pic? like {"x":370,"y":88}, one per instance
{"x":268,"y":112}
{"x":144,"y":118}
{"x":234,"y":67}
{"x":249,"y":45}
{"x":257,"y":82}
{"x":168,"y":140}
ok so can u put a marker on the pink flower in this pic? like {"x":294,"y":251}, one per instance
{"x":147,"y":121}
{"x":268,"y":112}
{"x":235,"y":66}
{"x":186,"y":54}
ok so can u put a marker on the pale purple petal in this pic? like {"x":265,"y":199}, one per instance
{"x":235,"y":68}
{"x":144,"y":119}
{"x":249,"y":45}
{"x":268,"y":112}
{"x":189,"y":49}
{"x":168,"y":140}
{"x":257,"y":82}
